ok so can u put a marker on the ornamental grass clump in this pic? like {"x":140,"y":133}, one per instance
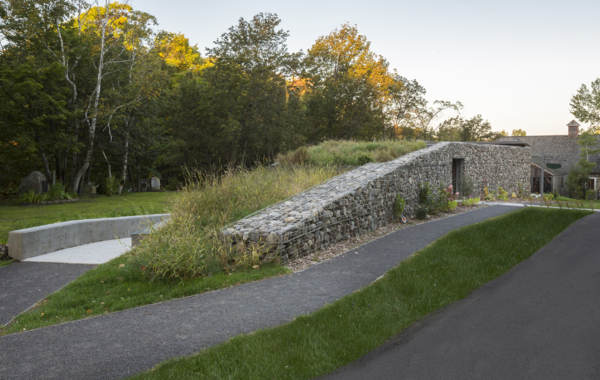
{"x":190,"y":244}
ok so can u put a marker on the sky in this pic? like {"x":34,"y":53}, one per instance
{"x":517,"y":63}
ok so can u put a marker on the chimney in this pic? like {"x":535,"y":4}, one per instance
{"x":573,"y":128}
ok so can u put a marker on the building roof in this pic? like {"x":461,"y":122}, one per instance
{"x":557,"y":154}
{"x":573,"y":123}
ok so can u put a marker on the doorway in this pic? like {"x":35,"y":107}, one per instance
{"x":457,"y":174}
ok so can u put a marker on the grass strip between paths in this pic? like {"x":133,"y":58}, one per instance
{"x":442,"y":273}
{"x":118,"y":285}
{"x":4,"y":263}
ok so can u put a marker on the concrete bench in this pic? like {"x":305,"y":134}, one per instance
{"x":35,"y":241}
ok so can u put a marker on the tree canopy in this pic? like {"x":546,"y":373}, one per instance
{"x":92,"y":94}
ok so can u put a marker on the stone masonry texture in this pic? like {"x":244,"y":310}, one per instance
{"x":362,"y":199}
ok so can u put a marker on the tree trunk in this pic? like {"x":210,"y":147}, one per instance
{"x":94,"y":118}
{"x":46,"y":167}
{"x":125,"y":158}
{"x":107,"y":164}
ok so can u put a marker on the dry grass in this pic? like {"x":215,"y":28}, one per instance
{"x":189,"y":245}
{"x":349,"y":153}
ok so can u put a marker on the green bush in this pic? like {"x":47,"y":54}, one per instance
{"x":57,"y":192}
{"x":421,"y":212}
{"x":111,"y":186}
{"x":521,"y":193}
{"x":548,"y":197}
{"x":31,"y":197}
{"x":442,"y":199}
{"x":399,"y":206}
{"x":471,"y":202}
{"x":364,"y":159}
{"x":590,"y":195}
{"x":466,"y":187}
{"x":502,"y":194}
{"x":452,"y":205}
{"x":425,"y":195}
{"x":578,"y":177}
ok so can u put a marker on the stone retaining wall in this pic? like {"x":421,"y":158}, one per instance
{"x":362,"y":199}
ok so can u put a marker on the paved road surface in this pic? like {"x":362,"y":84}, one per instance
{"x":24,"y":284}
{"x":541,"y":320}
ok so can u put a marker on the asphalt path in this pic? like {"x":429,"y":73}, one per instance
{"x":124,"y":343}
{"x":24,"y":284}
{"x":541,"y":320}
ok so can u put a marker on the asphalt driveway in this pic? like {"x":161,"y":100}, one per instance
{"x":540,"y":320}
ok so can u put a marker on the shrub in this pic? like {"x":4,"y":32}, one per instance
{"x":471,"y":202}
{"x":577,"y":178}
{"x":466,"y":187}
{"x":424,"y":196}
{"x":452,"y":205}
{"x":399,"y":206}
{"x":502,"y":194}
{"x":444,"y":196}
{"x":111,"y":186}
{"x":57,"y":192}
{"x":521,"y":193}
{"x":548,"y":197}
{"x":299,"y":156}
{"x":364,"y":159}
{"x":590,"y":195}
{"x":421,"y":212}
{"x":489,"y":196}
{"x":31,"y":197}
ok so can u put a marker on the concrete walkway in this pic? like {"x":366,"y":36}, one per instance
{"x":93,"y":253}
{"x":538,"y":321}
{"x":125,"y":343}
{"x":24,"y":284}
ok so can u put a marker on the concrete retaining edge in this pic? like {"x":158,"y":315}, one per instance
{"x":35,"y":241}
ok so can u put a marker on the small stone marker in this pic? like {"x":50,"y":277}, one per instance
{"x":35,"y":182}
{"x":155,"y":183}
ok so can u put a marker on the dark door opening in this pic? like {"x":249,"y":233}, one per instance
{"x":457,"y":174}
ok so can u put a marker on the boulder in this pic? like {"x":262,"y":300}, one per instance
{"x":35,"y":182}
{"x":155,"y":183}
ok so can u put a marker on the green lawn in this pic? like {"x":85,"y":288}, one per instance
{"x":5,"y":262}
{"x":444,"y":272}
{"x":14,"y":217}
{"x":576,"y":203}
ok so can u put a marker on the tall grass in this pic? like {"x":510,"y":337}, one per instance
{"x":189,"y":246}
{"x":349,"y":153}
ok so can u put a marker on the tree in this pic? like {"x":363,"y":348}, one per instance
{"x":578,"y":178}
{"x":585,"y":105}
{"x":407,"y":103}
{"x":519,"y":132}
{"x":236,"y":109}
{"x":459,"y":129}
{"x":589,"y":144}
{"x":175,"y":50}
{"x":351,"y":87}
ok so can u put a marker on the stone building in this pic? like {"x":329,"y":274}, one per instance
{"x":555,"y":156}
